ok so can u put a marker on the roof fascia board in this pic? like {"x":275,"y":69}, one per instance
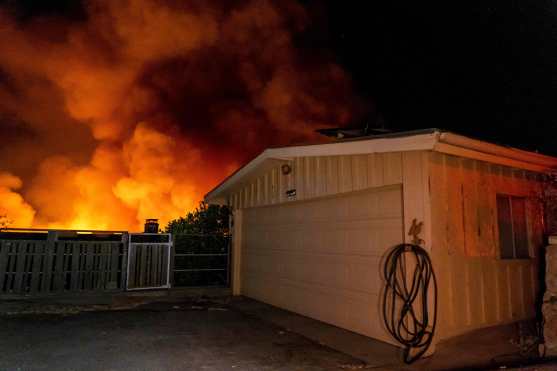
{"x":377,"y":145}
{"x":498,"y":150}
{"x":454,"y":150}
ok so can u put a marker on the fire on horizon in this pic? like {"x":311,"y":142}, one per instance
{"x":137,"y":108}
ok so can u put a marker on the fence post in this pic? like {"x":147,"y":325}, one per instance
{"x":125,"y":252}
{"x":59,"y":269}
{"x":38,"y":258}
{"x":170,"y":266}
{"x":4,"y":246}
{"x":49,"y":254}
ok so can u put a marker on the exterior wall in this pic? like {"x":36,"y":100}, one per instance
{"x":476,"y":287}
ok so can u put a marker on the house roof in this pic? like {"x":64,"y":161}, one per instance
{"x":427,"y":139}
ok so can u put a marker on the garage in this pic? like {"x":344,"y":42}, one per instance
{"x":313,"y":225}
{"x":321,"y":258}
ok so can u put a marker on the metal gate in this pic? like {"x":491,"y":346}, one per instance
{"x":149,"y":261}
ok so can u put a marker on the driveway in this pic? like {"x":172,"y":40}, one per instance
{"x":159,"y":336}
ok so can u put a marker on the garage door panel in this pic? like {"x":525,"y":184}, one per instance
{"x":257,"y":287}
{"x":316,"y":269}
{"x":263,"y":262}
{"x":356,"y":208}
{"x":365,"y":275}
{"x":391,"y":235}
{"x":351,"y":273}
{"x":322,"y":258}
{"x":311,"y":302}
{"x":355,"y":311}
{"x":389,"y":205}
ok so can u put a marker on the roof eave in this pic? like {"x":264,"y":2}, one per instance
{"x":417,"y":142}
{"x":430,"y":139}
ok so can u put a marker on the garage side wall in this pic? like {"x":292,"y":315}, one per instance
{"x":476,"y":287}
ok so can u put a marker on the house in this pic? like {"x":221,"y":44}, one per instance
{"x":313,"y":223}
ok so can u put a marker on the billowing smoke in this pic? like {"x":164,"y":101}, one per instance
{"x":140,"y":108}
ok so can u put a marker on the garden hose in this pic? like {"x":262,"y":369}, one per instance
{"x":406,"y":310}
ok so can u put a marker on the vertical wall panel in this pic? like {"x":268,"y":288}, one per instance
{"x":485,"y":210}
{"x":253,"y":194}
{"x":490,"y":291}
{"x":283,"y":182}
{"x":455,"y":210}
{"x":375,"y":170}
{"x":470,"y":207}
{"x":321,"y":176}
{"x":259,"y":191}
{"x":439,"y":256}
{"x":309,"y":177}
{"x":345,"y":173}
{"x":332,"y":175}
{"x":359,"y":172}
{"x":266,"y":186}
{"x":274,"y":186}
{"x":299,"y":178}
{"x":413,"y":194}
{"x":392,"y":168}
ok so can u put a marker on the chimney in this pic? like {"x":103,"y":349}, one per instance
{"x":151,"y":226}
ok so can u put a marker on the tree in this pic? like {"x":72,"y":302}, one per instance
{"x":206,"y":219}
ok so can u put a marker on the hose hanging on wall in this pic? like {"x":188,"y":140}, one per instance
{"x":410,"y":326}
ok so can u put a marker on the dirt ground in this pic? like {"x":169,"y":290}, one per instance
{"x":158,"y":336}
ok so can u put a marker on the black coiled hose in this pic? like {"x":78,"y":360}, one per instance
{"x":414,"y":329}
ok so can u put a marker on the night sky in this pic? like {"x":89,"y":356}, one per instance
{"x":486,"y":69}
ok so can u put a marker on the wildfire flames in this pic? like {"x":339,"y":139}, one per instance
{"x":139,"y":107}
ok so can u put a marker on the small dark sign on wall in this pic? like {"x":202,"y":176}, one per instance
{"x":291,"y":194}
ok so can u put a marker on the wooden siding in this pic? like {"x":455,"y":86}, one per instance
{"x":320,"y":176}
{"x":476,"y":287}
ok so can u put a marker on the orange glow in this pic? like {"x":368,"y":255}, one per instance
{"x":140,"y":109}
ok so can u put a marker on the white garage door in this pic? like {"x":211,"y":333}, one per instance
{"x":322,"y":258}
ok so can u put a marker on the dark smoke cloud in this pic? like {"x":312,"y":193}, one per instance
{"x":138,"y":108}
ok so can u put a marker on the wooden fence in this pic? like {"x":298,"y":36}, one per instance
{"x":36,"y":262}
{"x":43,"y":262}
